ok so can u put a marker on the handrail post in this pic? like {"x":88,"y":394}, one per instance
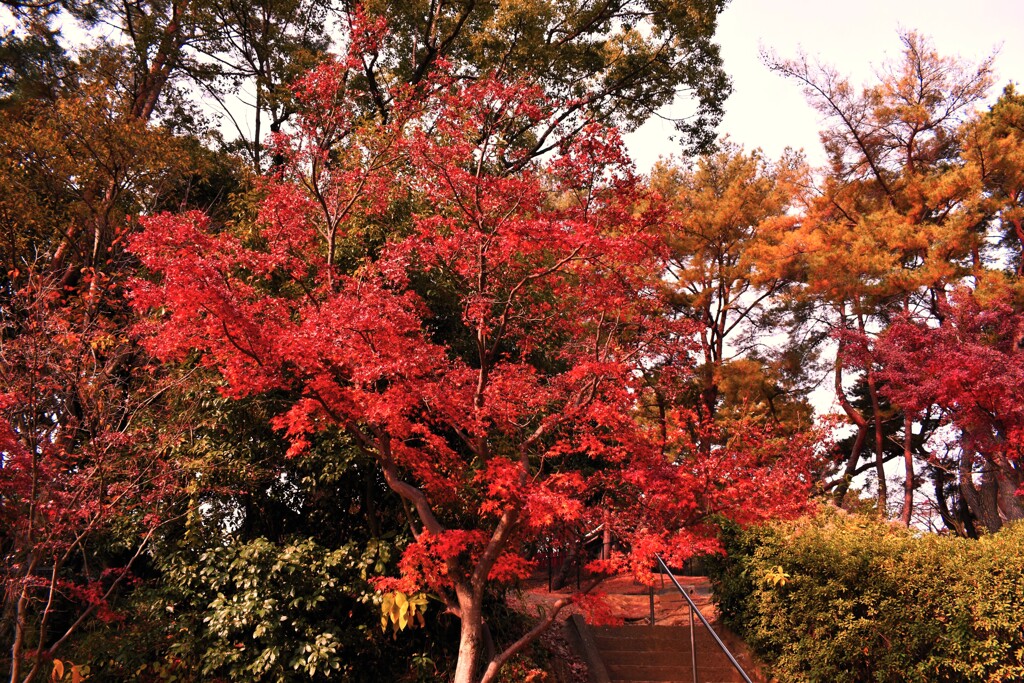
{"x":693,"y":647}
{"x":651,"y":588}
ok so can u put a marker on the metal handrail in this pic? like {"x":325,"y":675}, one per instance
{"x":693,"y":609}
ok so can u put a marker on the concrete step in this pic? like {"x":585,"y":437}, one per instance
{"x":671,"y":674}
{"x":650,"y":654}
{"x":613,"y":657}
{"x":670,"y":634}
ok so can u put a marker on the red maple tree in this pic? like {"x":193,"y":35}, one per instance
{"x":82,"y":486}
{"x":489,"y":353}
{"x":969,"y":370}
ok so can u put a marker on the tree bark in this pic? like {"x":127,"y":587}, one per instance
{"x":1008,"y":481}
{"x":839,"y":495}
{"x":908,"y":464}
{"x":951,"y":522}
{"x":572,"y":556}
{"x":855,"y":416}
{"x":165,"y":62}
{"x":469,"y":634}
{"x":981,"y":500}
{"x":883,"y":488}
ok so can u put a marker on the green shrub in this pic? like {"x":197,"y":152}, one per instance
{"x":844,"y":598}
{"x":259,"y":611}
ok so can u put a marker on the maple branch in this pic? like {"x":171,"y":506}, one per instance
{"x":503,"y":318}
{"x":416,"y":533}
{"x":248,"y":352}
{"x":494,"y":666}
{"x":496,"y":544}
{"x":468,"y":212}
{"x":97,"y":518}
{"x":433,"y":49}
{"x":113,"y":586}
{"x":586,"y":395}
{"x":40,"y":655}
{"x":410,"y":493}
{"x":540,"y":431}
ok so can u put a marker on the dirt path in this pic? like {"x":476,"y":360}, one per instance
{"x":629,"y":601}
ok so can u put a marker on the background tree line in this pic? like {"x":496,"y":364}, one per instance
{"x":153,"y":524}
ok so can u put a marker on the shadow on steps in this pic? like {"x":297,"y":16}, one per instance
{"x":642,"y":654}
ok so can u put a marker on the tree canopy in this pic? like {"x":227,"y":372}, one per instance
{"x":408,"y":322}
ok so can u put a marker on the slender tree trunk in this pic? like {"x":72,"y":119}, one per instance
{"x":855,"y":416}
{"x":662,"y":421}
{"x":908,"y":463}
{"x":21,"y":620}
{"x":709,"y":393}
{"x":951,"y":522}
{"x":839,"y":495}
{"x":883,"y":488}
{"x":1018,"y":230}
{"x":19,"y":635}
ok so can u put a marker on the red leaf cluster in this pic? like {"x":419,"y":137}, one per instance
{"x":490,"y":355}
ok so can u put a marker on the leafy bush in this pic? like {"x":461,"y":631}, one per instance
{"x":838,"y":597}
{"x":263,"y":611}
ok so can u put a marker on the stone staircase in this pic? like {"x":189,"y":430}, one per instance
{"x":642,"y":654}
{"x":638,"y":652}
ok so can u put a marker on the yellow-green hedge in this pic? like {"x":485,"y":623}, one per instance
{"x":842,"y":598}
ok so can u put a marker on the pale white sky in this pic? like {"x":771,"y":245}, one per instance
{"x":770,"y":112}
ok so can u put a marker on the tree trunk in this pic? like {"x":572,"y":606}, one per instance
{"x":952,"y":523}
{"x":839,"y":495}
{"x":908,"y":463}
{"x":855,"y":416}
{"x":164,"y":64}
{"x":21,"y":620}
{"x":883,"y":488}
{"x":989,"y":491}
{"x":981,"y":500}
{"x":1008,"y":482}
{"x":572,"y":556}
{"x":470,"y":633}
